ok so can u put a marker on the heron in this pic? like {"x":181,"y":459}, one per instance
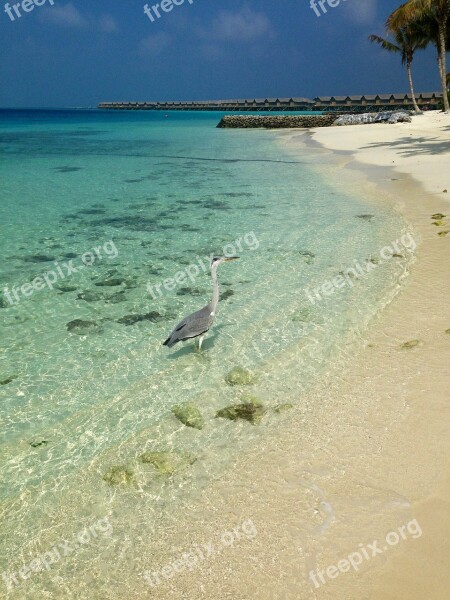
{"x":199,"y":323}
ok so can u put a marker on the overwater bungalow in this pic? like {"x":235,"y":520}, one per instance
{"x":368,"y":102}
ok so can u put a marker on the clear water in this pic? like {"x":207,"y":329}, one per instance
{"x":166,"y":191}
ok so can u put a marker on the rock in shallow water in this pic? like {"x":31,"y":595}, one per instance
{"x":240,"y":376}
{"x":38,"y":258}
{"x":119,"y":474}
{"x":226,"y":294}
{"x":90,"y":296}
{"x":251,"y":410}
{"x":189,"y":415}
{"x":6,"y":380}
{"x":152,"y":316}
{"x":110,"y":282}
{"x":83,"y":327}
{"x":169,"y":463}
{"x":190,"y":291}
{"x":38,"y":443}
{"x":410,"y":344}
{"x":116,"y":298}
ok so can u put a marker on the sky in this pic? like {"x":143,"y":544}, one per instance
{"x":78,"y":53}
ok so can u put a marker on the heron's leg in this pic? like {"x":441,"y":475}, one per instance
{"x":200,"y":342}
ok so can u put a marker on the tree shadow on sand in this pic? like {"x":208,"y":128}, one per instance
{"x":408,"y":146}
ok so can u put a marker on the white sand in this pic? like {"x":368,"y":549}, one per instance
{"x":420,"y":148}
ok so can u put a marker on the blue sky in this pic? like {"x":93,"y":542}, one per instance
{"x":80,"y":52}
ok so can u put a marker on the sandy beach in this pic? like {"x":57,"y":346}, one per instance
{"x":313,"y":506}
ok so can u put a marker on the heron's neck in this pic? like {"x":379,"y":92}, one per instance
{"x":216,"y":289}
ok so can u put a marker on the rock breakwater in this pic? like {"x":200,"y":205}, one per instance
{"x":275,"y":122}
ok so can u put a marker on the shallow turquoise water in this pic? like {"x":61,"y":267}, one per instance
{"x":155,"y":195}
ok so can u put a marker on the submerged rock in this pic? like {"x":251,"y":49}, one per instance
{"x":83,"y":327}
{"x":7,"y":380}
{"x":90,"y":296}
{"x":226,"y":294}
{"x":410,"y":344}
{"x":240,"y":376}
{"x":67,"y":169}
{"x":216,"y":205}
{"x":447,"y":331}
{"x":3,"y":303}
{"x":110,"y":282}
{"x":119,"y":474}
{"x":438,"y":216}
{"x":38,"y":258}
{"x":116,"y":298}
{"x":251,"y":410}
{"x":308,"y":256}
{"x":37,"y":443}
{"x":66,"y":288}
{"x":189,"y":415}
{"x":152,"y":316}
{"x":439,"y":223}
{"x":169,"y":463}
{"x":443,"y":233}
{"x":302,"y":315}
{"x":191,"y":291}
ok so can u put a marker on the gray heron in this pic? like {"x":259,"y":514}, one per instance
{"x":200,"y":322}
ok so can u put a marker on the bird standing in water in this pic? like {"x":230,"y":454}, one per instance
{"x":200,"y":322}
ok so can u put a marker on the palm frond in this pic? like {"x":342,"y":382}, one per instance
{"x":385,"y":44}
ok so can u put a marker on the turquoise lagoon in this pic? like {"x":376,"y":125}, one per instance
{"x":77,"y":400}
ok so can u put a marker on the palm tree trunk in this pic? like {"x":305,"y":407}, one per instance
{"x":443,"y":71}
{"x":411,"y":87}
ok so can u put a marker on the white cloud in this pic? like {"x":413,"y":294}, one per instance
{"x":238,"y":26}
{"x":363,"y":11}
{"x":67,"y":15}
{"x":108,"y":23}
{"x":155,"y":44}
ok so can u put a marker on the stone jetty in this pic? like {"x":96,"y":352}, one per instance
{"x":275,"y":122}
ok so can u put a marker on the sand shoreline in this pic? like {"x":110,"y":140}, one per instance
{"x":374,"y":459}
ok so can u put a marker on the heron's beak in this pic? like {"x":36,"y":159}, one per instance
{"x":232,"y":258}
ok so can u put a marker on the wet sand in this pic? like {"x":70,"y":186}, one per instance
{"x":374,"y":460}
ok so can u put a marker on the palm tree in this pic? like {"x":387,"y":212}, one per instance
{"x":408,"y":41}
{"x":415,"y":11}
